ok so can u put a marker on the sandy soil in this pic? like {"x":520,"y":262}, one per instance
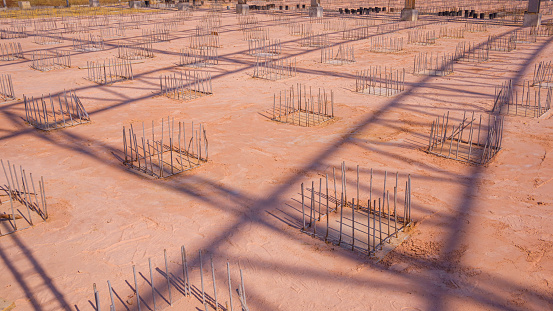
{"x":481,"y":240}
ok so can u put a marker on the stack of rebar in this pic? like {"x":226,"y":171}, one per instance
{"x":421,"y":37}
{"x":91,"y":43}
{"x":543,"y":75}
{"x":472,"y":52}
{"x":264,"y":47}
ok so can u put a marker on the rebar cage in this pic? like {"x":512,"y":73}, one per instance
{"x":19,"y":200}
{"x":165,"y":155}
{"x":362,"y":224}
{"x":473,"y":140}
{"x":55,"y":112}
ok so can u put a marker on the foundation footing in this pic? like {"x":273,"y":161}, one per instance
{"x":316,"y":11}
{"x":531,"y":19}
{"x":242,"y":9}
{"x":409,"y":15}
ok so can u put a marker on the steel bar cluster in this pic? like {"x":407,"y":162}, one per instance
{"x":274,"y":69}
{"x":134,"y":50}
{"x":532,"y":102}
{"x":264,"y":47}
{"x":318,"y":40}
{"x":300,"y":29}
{"x":207,"y":56}
{"x":363,"y":224}
{"x":109,"y":71}
{"x":421,"y":37}
{"x":501,"y":44}
{"x":543,"y":75}
{"x":344,"y":54}
{"x":158,"y":34}
{"x":256,"y":33}
{"x":21,"y":192}
{"x":45,"y":37}
{"x":358,"y":33}
{"x":302,"y":106}
{"x":165,"y":155}
{"x":433,"y":65}
{"x":473,"y":140}
{"x":186,"y":86}
{"x":55,"y":112}
{"x":476,"y":27}
{"x":542,"y":30}
{"x":10,"y":51}
{"x":6,"y":88}
{"x":452,"y":33}
{"x":91,"y":43}
{"x":45,"y":60}
{"x":386,"y":44}
{"x":376,"y":82}
{"x":13,"y":32}
{"x":183,"y":285}
{"x":523,"y":36}
{"x":472,"y":52}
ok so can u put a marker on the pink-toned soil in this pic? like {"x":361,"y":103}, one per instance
{"x":482,"y":238}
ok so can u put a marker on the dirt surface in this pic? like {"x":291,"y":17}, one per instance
{"x":481,"y":239}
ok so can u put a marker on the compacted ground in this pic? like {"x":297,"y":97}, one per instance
{"x":481,"y":237}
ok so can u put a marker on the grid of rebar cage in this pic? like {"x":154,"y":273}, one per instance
{"x":165,"y":155}
{"x":10,"y":51}
{"x":256,"y":33}
{"x":358,"y":33}
{"x":318,"y":40}
{"x":501,"y":44}
{"x":523,"y":36}
{"x":187,"y":85}
{"x":55,"y":112}
{"x":109,"y":71}
{"x":473,"y":140}
{"x":207,"y":56}
{"x":472,"y":52}
{"x":476,"y":27}
{"x":22,"y":199}
{"x":274,"y":69}
{"x":433,"y":65}
{"x":374,"y":81}
{"x":386,"y":44}
{"x":360,"y":224}
{"x":158,"y":34}
{"x":134,"y":50}
{"x":532,"y":102}
{"x":300,"y":106}
{"x":46,"y":60}
{"x":543,"y":75}
{"x":264,"y":48}
{"x":13,"y":32}
{"x":542,"y":30}
{"x":90,"y":43}
{"x":421,"y":37}
{"x":344,"y":54}
{"x":452,"y":33}
{"x":6,"y":88}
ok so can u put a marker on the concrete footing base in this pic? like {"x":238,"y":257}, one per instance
{"x":316,"y":11}
{"x":531,"y":19}
{"x":409,"y":15}
{"x":243,"y":9}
